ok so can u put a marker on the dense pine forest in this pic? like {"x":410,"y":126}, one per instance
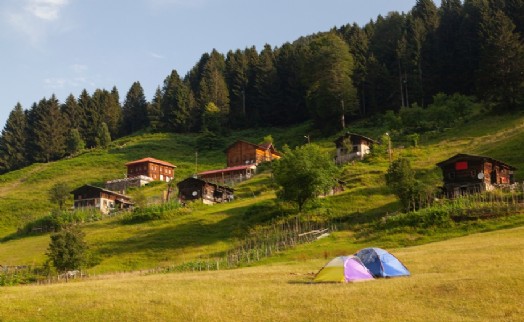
{"x":404,"y":64}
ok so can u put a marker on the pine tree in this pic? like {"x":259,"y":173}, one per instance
{"x":237,"y":82}
{"x":501,"y":77}
{"x":84,"y":125}
{"x":13,"y":141}
{"x":47,"y":131}
{"x":73,"y":114}
{"x":331,"y":95}
{"x":292,"y":93}
{"x":74,"y":142}
{"x":112,"y":113}
{"x":103,"y":136}
{"x":267,"y":88}
{"x":213,"y":86}
{"x":154,"y":111}
{"x":134,"y":110}
{"x":175,"y":105}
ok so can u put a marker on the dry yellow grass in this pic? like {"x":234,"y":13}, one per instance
{"x":474,"y":278}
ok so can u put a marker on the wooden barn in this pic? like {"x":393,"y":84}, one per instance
{"x":88,"y":196}
{"x":229,"y":175}
{"x":351,"y":147}
{"x":210,"y":193}
{"x":157,"y":170}
{"x":244,"y":153}
{"x":466,"y":174}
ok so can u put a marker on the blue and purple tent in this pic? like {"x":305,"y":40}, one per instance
{"x":343,"y":269}
{"x":381,"y":263}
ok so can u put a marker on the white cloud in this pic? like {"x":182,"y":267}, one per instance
{"x":156,"y":56}
{"x":45,"y":9}
{"x":79,"y":68}
{"x":32,"y":19}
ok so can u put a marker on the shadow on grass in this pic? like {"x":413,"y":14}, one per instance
{"x":194,"y":233}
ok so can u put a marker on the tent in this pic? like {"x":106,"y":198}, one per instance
{"x":381,"y":263}
{"x":343,"y":269}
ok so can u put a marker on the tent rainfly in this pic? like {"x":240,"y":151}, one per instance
{"x":343,"y":269}
{"x":381,"y":263}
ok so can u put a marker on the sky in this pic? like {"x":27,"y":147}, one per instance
{"x":64,"y":46}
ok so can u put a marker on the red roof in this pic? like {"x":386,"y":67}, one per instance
{"x":151,"y":160}
{"x":239,"y":167}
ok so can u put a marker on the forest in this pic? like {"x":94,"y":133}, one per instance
{"x":399,"y":64}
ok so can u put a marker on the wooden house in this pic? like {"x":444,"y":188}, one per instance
{"x":466,"y":174}
{"x":351,"y":147}
{"x":198,"y":189}
{"x":229,"y":175}
{"x":157,"y":170}
{"x":88,"y":196}
{"x":245,"y":153}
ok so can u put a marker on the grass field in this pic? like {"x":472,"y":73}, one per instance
{"x":473,"y":278}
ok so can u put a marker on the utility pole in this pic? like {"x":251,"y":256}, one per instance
{"x":196,"y":162}
{"x":342,"y":116}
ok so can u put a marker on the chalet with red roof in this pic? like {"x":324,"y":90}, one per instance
{"x":245,"y":153}
{"x":155,"y":169}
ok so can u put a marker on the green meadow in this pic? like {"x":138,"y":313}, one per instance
{"x":460,"y":272}
{"x":474,"y":278}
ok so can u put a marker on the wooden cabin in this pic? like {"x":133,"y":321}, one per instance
{"x":229,"y":175}
{"x":157,"y":170}
{"x":198,"y":189}
{"x":245,"y":153}
{"x":466,"y":174}
{"x":88,"y":196}
{"x":351,"y":147}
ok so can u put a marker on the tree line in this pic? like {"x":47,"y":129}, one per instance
{"x":471,"y":47}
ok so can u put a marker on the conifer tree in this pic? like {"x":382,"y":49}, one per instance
{"x":73,"y":114}
{"x":331,"y":94}
{"x":134,"y":110}
{"x":74,"y":142}
{"x":46,"y":126}
{"x":154,"y":111}
{"x":175,"y":105}
{"x":501,"y":77}
{"x":267,"y":86}
{"x":13,"y":141}
{"x":237,"y":82}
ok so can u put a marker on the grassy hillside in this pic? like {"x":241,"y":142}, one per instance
{"x":473,"y":278}
{"x":206,"y":232}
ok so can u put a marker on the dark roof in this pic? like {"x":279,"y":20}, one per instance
{"x":350,"y":134}
{"x":89,"y":187}
{"x":151,"y":160}
{"x":204,"y":182}
{"x":463,"y":156}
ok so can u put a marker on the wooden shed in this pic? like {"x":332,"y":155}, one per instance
{"x":466,"y":174}
{"x":88,"y":196}
{"x":352,"y":146}
{"x":210,"y":193}
{"x":229,"y":175}
{"x":152,"y":168}
{"x":244,"y":153}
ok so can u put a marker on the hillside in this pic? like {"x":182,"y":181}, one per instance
{"x":203,"y":232}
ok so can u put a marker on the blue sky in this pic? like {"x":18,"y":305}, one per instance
{"x":65,"y":46}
